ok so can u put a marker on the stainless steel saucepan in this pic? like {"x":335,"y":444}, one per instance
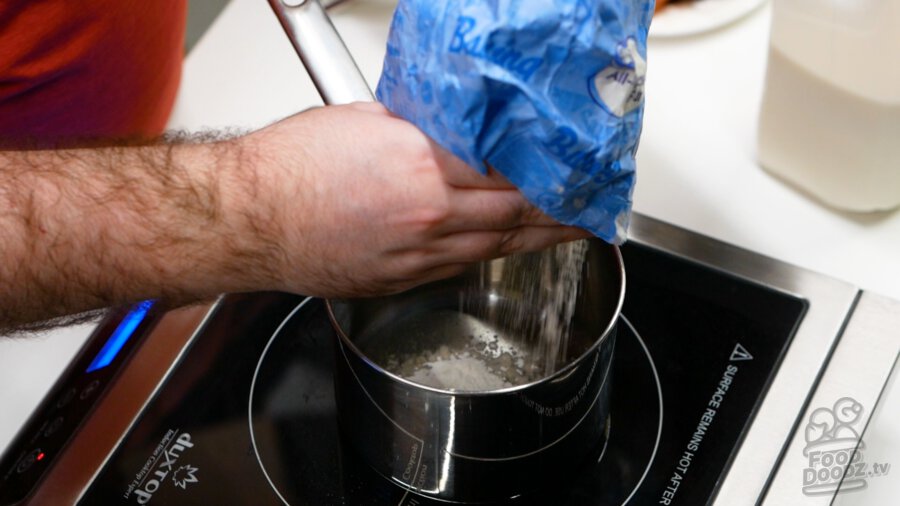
{"x":448,"y":443}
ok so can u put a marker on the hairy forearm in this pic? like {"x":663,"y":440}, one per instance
{"x":90,"y":228}
{"x":342,"y":201}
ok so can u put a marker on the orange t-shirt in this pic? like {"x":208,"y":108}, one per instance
{"x":88,"y":68}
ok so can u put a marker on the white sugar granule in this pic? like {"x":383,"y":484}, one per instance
{"x":458,"y":373}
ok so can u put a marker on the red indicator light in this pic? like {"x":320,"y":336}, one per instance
{"x":40,"y":456}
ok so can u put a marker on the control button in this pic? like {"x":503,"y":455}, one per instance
{"x":66,"y":398}
{"x":28,"y":460}
{"x":89,"y":390}
{"x":54,"y":426}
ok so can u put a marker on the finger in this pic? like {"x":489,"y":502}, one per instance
{"x":460,"y":175}
{"x":443,"y":272}
{"x":426,"y":275}
{"x":485,"y":245}
{"x":480,"y":209}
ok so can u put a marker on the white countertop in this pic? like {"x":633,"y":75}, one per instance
{"x":696,"y":162}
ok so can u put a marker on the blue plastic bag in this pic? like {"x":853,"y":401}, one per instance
{"x":548,"y":92}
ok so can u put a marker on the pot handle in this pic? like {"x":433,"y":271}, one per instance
{"x":322,"y":51}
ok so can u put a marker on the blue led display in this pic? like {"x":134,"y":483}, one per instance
{"x":120,"y":336}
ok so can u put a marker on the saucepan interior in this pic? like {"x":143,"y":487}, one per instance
{"x":486,"y":314}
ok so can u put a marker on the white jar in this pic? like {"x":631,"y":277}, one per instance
{"x":830,"y":118}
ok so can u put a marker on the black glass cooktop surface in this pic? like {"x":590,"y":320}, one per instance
{"x":248,"y":417}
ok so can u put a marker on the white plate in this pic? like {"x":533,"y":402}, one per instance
{"x":690,"y":17}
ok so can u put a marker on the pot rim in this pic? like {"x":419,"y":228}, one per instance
{"x":600,"y":341}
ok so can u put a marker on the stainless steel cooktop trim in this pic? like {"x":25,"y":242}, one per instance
{"x":830,"y":302}
{"x":213,"y":308}
{"x":872,"y":339}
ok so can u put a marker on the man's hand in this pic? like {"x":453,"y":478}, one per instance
{"x":368,"y":204}
{"x":337,"y":201}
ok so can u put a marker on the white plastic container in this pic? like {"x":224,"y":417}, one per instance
{"x":830,"y":118}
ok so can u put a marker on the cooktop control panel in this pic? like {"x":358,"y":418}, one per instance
{"x":72,"y":398}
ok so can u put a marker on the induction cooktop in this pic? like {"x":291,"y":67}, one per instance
{"x":232,"y":402}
